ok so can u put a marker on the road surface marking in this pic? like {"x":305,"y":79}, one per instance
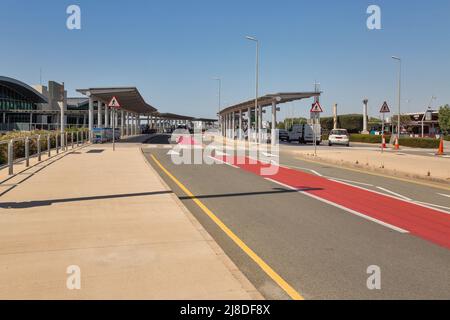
{"x":444,"y":195}
{"x":390,"y":226}
{"x":376,"y":174}
{"x":173,"y":153}
{"x":224,"y":162}
{"x":421,"y":204}
{"x":260,"y":262}
{"x":349,"y":181}
{"x":270,"y":155}
{"x":395,"y":194}
{"x":302,"y":168}
{"x":426,"y":204}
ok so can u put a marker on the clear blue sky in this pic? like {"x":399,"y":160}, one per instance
{"x":171,"y":49}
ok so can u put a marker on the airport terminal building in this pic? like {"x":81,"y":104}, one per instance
{"x":26,"y":108}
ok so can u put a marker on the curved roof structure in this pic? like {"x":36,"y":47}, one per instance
{"x":267,"y":100}
{"x":129,"y":98}
{"x":23,"y":89}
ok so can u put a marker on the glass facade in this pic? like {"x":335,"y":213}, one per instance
{"x":12,"y":100}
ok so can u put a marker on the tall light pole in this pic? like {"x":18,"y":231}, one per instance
{"x":257,"y":128}
{"x":219,"y":80}
{"x":399,"y":92}
{"x":425,"y":114}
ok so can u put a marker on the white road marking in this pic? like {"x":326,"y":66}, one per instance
{"x":350,"y":181}
{"x":306,"y":169}
{"x":270,"y":155}
{"x":444,"y":195}
{"x":426,"y":204}
{"x":220,"y":153}
{"x":224,"y":162}
{"x":395,"y":194}
{"x":359,"y":214}
{"x":173,"y":153}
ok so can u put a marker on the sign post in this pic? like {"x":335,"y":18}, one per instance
{"x":114,"y":104}
{"x":384,"y":109}
{"x":316,"y":110}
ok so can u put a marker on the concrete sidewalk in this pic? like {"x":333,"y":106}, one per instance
{"x":111,"y":215}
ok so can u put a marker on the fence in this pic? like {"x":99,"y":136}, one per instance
{"x":21,"y":149}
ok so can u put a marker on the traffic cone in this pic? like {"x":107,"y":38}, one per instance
{"x":441,"y":148}
{"x":383,"y":142}
{"x":397,"y":145}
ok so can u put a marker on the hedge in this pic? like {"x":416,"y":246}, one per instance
{"x":447,"y":138}
{"x":368,"y":138}
{"x":19,"y":146}
{"x":420,"y":143}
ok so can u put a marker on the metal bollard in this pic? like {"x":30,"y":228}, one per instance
{"x":71,"y":138}
{"x":39,"y":147}
{"x":27,"y":152}
{"x":49,"y":146}
{"x":67,"y":141}
{"x":57,"y":146}
{"x":11,"y":157}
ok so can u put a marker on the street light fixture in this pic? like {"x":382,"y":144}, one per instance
{"x":399,"y":92}
{"x":257,"y":117}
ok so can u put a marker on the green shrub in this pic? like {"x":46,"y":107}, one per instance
{"x":19,"y":145}
{"x":419,"y":143}
{"x":447,"y":138}
{"x":367,"y":138}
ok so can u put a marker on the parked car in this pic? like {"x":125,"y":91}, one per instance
{"x":339,"y":136}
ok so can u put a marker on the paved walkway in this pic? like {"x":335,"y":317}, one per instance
{"x":111,"y":215}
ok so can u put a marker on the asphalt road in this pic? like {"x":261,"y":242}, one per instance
{"x":320,"y":250}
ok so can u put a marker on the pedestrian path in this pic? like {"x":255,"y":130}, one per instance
{"x":109,"y":215}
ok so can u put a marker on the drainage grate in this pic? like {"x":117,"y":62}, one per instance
{"x":96,"y":151}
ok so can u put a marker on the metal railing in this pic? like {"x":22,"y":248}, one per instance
{"x":18,"y":149}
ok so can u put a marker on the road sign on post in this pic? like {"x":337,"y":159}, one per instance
{"x":316,"y":110}
{"x":316,"y":107}
{"x":114,"y":104}
{"x":384,"y":109}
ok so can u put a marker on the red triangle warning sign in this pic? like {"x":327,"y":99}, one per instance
{"x":114,"y":103}
{"x":316,"y":108}
{"x":385,"y":108}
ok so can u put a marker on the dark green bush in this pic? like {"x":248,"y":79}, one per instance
{"x":419,"y":143}
{"x":367,"y":138}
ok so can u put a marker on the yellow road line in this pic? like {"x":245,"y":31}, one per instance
{"x":422,"y":183}
{"x":260,"y":262}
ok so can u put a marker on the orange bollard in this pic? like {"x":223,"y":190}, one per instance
{"x":383,"y":142}
{"x":397,"y":145}
{"x":441,"y":148}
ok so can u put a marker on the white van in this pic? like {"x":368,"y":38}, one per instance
{"x":304,"y":133}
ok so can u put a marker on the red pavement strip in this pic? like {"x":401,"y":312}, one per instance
{"x":426,"y":223}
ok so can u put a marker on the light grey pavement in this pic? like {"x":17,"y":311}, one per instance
{"x":110,"y":214}
{"x":322,"y":251}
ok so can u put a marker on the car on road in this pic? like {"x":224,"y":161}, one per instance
{"x":340,"y":137}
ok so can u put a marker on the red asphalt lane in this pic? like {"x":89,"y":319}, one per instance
{"x":426,"y":223}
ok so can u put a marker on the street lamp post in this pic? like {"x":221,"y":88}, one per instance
{"x":219,"y":80}
{"x":399,"y":93}
{"x":257,"y":126}
{"x":425,"y":114}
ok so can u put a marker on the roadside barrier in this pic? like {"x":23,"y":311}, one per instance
{"x":19,"y":150}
